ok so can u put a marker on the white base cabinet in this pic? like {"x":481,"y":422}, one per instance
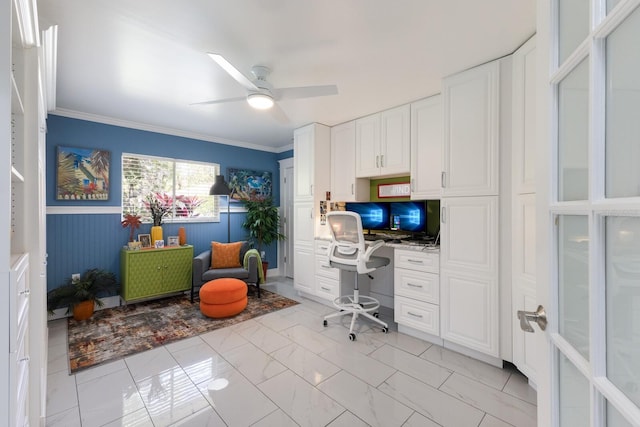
{"x":469,"y":273}
{"x":417,"y":290}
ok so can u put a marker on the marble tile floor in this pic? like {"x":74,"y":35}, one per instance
{"x":286,"y":369}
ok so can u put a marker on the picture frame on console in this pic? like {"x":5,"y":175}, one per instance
{"x":173,"y":241}
{"x":145,"y":239}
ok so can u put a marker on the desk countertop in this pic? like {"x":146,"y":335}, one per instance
{"x":406,"y":245}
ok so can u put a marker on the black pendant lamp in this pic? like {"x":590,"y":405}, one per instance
{"x":221,"y":188}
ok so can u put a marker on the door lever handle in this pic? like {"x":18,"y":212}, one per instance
{"x":539,"y":316}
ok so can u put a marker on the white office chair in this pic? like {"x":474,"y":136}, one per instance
{"x":348,"y":251}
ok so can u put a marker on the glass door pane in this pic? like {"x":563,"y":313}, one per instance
{"x":573,"y":134}
{"x":623,"y":109}
{"x":622,"y":263}
{"x":573,"y":281}
{"x":573,"y":26}
{"x":574,"y":395}
{"x":615,"y":419}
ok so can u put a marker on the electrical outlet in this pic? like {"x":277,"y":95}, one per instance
{"x":75,"y":277}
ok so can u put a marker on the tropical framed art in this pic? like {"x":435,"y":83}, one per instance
{"x":82,"y":173}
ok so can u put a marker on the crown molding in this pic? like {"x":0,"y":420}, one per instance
{"x":72,"y":114}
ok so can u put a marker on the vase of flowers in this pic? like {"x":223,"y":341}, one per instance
{"x":159,"y":205}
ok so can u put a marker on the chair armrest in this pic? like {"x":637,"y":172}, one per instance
{"x":201,"y":264}
{"x":253,"y":269}
{"x":372,"y":248}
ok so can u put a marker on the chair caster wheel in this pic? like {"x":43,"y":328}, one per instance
{"x":352,"y":337}
{"x":325,"y":323}
{"x":376,"y":314}
{"x":385,"y":329}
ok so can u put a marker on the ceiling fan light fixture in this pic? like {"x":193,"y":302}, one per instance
{"x":260,"y":101}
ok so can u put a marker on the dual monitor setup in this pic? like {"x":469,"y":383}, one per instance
{"x":403,"y":219}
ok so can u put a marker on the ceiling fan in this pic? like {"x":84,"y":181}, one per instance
{"x":260,"y":93}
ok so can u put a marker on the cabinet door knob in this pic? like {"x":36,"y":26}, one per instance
{"x":382,"y":160}
{"x":377,"y":161}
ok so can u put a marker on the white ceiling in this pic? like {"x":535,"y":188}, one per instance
{"x":145,"y":61}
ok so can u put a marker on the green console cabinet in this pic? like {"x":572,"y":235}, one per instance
{"x":150,"y":273}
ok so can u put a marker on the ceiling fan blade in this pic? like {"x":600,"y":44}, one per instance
{"x":220,"y":101}
{"x":305,"y":92}
{"x":233,"y":71}
{"x":278,"y":114}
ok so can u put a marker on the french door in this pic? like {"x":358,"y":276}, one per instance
{"x":588,"y":212}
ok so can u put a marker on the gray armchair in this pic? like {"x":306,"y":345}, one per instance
{"x":202,"y":271}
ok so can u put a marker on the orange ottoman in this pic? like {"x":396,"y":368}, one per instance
{"x":223,"y":297}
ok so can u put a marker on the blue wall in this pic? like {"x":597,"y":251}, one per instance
{"x":77,"y":242}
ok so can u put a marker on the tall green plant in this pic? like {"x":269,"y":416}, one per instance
{"x":262,"y":221}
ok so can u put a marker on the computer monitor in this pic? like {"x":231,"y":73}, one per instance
{"x":408,"y":216}
{"x":374,"y":215}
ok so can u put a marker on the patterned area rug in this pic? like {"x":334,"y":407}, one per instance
{"x":114,"y":333}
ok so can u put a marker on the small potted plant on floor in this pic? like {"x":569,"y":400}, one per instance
{"x":80,"y":295}
{"x":263,"y":224}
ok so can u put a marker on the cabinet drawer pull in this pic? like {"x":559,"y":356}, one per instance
{"x":324,"y":248}
{"x":442,"y":180}
{"x":26,"y":292}
{"x":415,"y":261}
{"x":382,"y":160}
{"x":325,"y":289}
{"x":24,"y":359}
{"x":413,"y":285}
{"x":419,"y":316}
{"x":326,"y":266}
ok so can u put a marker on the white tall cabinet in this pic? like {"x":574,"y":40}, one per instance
{"x":311,"y":156}
{"x":470,"y":248}
{"x":524,"y":294}
{"x":23,"y":335}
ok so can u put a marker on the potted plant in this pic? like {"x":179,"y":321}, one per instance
{"x":159,"y":205}
{"x":262,"y":221}
{"x":81,"y":294}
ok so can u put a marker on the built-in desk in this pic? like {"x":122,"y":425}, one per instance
{"x":409,"y":285}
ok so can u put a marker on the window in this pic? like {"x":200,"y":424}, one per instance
{"x":180,"y":185}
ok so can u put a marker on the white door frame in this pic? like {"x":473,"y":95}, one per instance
{"x":285,"y":258}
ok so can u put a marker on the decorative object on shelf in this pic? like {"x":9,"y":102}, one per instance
{"x":173,"y":241}
{"x":80,"y":295}
{"x":159,"y":205}
{"x":134,"y":246}
{"x":262,"y":221}
{"x":220,"y":188}
{"x":182,"y":236}
{"x":82,"y":173}
{"x":248,"y":184}
{"x":145,"y":240}
{"x":133,"y":222}
{"x":400,"y":189}
{"x":158,"y":244}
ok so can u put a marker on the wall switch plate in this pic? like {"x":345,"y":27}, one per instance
{"x":75,"y":277}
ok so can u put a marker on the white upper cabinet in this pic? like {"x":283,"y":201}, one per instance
{"x":524,"y":118}
{"x":311,"y":156}
{"x":426,"y":148}
{"x":471,"y":132}
{"x":345,"y":186}
{"x":383,"y":145}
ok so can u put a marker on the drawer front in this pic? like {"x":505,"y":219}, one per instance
{"x":325,"y":270}
{"x":322,"y":247}
{"x":422,"y":316}
{"x":417,"y":285}
{"x":327,"y":288}
{"x":418,"y":261}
